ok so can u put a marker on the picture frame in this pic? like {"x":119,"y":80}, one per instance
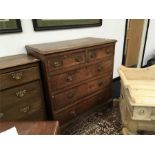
{"x":50,"y":24}
{"x":10,"y":26}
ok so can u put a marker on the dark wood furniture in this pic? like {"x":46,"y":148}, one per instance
{"x":21,"y":95}
{"x":77,"y":74}
{"x":32,"y":128}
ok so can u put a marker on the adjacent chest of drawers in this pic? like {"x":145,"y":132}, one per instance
{"x":77,"y":74}
{"x":21,"y":96}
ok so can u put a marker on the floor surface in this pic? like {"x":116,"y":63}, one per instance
{"x":100,"y":122}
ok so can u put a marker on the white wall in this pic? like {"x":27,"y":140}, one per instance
{"x":11,"y":44}
{"x":150,"y":44}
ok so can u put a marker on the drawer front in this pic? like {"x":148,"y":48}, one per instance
{"x":66,"y":60}
{"x":18,"y":77}
{"x":100,"y":53}
{"x":81,"y":107}
{"x":66,"y":98}
{"x":22,"y":102}
{"x":100,"y":68}
{"x":67,"y":115}
{"x":74,"y":76}
{"x":68,"y":78}
{"x":99,"y":84}
{"x":100,"y":98}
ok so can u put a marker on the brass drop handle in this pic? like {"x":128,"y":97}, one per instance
{"x":78,"y":58}
{"x":100,"y":68}
{"x":57,"y":64}
{"x":93,"y":55}
{"x":69,"y":77}
{"x":73,"y":113}
{"x":21,"y":93}
{"x":17,"y":76}
{"x":1,"y":115}
{"x":108,"y":51}
{"x":70,"y":95}
{"x":25,"y":109}
{"x":100,"y":84}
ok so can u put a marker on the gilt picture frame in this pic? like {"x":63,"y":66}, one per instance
{"x":10,"y":26}
{"x":50,"y":24}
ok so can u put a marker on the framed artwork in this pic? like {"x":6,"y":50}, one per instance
{"x":48,"y":24}
{"x":10,"y":26}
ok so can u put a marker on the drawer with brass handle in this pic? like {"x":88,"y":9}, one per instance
{"x":97,"y":99}
{"x":19,"y":77}
{"x":20,"y":112}
{"x":71,"y":77}
{"x":21,"y":93}
{"x":66,"y":98}
{"x":20,"y":99}
{"x":101,"y":68}
{"x":66,"y":115}
{"x":98,"y":84}
{"x":100,"y":53}
{"x":68,"y":78}
{"x":17,"y":107}
{"x":82,"y":106}
{"x":65,"y":61}
{"x":25,"y":109}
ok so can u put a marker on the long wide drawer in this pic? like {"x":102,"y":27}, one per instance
{"x":77,"y":75}
{"x":68,"y":97}
{"x":18,"y":77}
{"x":22,"y":102}
{"x":83,"y":106}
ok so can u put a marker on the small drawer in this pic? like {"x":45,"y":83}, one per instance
{"x":20,"y":102}
{"x":66,"y":60}
{"x":15,"y":78}
{"x":66,"y":98}
{"x":100,"y":53}
{"x":68,"y":78}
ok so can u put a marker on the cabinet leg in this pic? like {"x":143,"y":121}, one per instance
{"x":125,"y":131}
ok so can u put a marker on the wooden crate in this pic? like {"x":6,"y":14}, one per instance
{"x":137,"y":100}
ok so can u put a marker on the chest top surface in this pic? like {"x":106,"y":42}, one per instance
{"x":16,"y":60}
{"x":54,"y":47}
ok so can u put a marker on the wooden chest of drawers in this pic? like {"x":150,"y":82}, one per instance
{"x":21,"y":96}
{"x":77,"y":74}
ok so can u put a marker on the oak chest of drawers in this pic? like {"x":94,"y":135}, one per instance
{"x":77,"y":74}
{"x":21,"y":96}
